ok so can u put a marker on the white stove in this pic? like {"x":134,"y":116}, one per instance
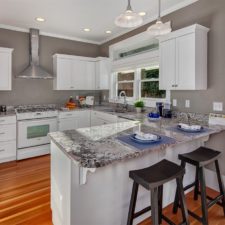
{"x":34,"y":124}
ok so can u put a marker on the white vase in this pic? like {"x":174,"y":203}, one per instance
{"x":138,"y":109}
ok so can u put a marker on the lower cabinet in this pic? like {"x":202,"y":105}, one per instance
{"x":74,"y":119}
{"x":84,"y":118}
{"x":7,"y":138}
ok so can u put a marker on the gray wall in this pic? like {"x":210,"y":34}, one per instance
{"x":210,"y":14}
{"x":39,"y":91}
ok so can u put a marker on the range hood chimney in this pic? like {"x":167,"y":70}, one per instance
{"x":34,"y":71}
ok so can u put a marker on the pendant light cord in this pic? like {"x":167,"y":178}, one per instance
{"x":159,"y":10}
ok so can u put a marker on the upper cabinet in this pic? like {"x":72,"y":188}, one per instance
{"x":103,"y":68}
{"x":183,"y":59}
{"x":6,"y":69}
{"x":80,"y":73}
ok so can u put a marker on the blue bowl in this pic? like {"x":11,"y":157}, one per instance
{"x":153,"y":115}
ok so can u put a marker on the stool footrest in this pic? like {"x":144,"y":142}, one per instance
{"x":214,"y":200}
{"x":137,"y":214}
{"x":168,"y":220}
{"x":195,"y":216}
{"x":189,"y":186}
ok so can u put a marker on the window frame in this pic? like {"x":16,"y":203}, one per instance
{"x":149,"y":102}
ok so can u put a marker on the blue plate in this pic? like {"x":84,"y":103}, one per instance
{"x":190,"y":131}
{"x":132,"y":137}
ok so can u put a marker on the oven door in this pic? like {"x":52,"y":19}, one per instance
{"x":35,"y":132}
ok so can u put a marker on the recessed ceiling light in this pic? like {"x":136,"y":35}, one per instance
{"x":87,"y":29}
{"x":142,"y":13}
{"x":40,"y":19}
{"x":108,"y":32}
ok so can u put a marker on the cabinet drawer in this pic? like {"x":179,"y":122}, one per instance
{"x":7,"y":132}
{"x":7,"y":120}
{"x":7,"y":150}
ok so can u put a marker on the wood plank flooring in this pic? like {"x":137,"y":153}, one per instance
{"x":25,"y":196}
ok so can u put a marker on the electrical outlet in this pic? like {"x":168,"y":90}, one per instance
{"x":77,"y":97}
{"x":217,"y":106}
{"x":174,"y":102}
{"x":187,"y":103}
{"x":104,"y":97}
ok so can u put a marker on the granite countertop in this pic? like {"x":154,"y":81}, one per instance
{"x":98,"y":146}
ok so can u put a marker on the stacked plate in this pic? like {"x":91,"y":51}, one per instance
{"x":189,"y":128}
{"x":143,"y":138}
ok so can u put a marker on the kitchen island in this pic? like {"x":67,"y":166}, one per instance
{"x":90,"y":184}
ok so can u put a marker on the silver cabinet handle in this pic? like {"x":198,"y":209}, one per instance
{"x":71,"y":87}
{"x":2,"y":133}
{"x":2,"y":150}
{"x":1,"y":121}
{"x":69,"y":114}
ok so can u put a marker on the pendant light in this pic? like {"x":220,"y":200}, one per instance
{"x":159,"y":28}
{"x":129,"y":18}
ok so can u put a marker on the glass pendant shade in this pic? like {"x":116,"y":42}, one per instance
{"x":159,"y":28}
{"x":129,"y":18}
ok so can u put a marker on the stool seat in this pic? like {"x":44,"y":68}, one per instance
{"x":157,"y":174}
{"x":200,"y":157}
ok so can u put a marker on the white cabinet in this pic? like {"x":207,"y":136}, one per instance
{"x":103,"y":70}
{"x":80,"y":73}
{"x":101,"y":118}
{"x":74,"y":119}
{"x":73,"y":72}
{"x":7,"y":138}
{"x":6,"y":69}
{"x":183,"y":59}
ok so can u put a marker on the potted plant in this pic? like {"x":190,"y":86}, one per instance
{"x":139,"y":105}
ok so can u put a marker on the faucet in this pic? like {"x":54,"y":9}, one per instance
{"x":189,"y":119}
{"x":123,"y":93}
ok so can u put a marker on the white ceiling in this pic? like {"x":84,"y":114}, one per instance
{"x":67,"y":18}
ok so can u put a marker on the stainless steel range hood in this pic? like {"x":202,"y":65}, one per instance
{"x":34,"y":71}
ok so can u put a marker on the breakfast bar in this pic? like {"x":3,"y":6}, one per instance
{"x":93,"y":164}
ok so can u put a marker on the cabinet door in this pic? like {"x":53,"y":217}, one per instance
{"x":68,"y":123}
{"x":102,"y":74}
{"x":185,"y":62}
{"x":79,"y":74}
{"x":5,"y":71}
{"x":64,"y":72}
{"x":89,"y":76}
{"x":167,"y":72}
{"x":84,"y":119}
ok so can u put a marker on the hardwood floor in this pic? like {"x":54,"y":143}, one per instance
{"x":25,"y":196}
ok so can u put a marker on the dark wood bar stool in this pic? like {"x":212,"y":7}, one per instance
{"x":200,"y":158}
{"x":153,"y":178}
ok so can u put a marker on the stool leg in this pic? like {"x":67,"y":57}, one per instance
{"x":221,"y":185}
{"x":154,"y":206}
{"x":182,"y":201}
{"x":132,"y":204}
{"x":196,"y":184}
{"x":160,"y":199}
{"x":203,"y":196}
{"x":176,"y":200}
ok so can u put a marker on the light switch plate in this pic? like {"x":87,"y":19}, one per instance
{"x":174,"y":102}
{"x":217,"y":106}
{"x":187,"y":103}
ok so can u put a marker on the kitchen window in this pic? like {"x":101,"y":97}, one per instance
{"x":139,"y":83}
{"x":125,"y":82}
{"x":149,"y":83}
